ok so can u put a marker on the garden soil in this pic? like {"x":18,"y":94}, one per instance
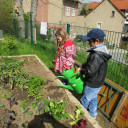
{"x":50,"y":90}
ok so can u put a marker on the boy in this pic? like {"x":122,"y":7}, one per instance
{"x":94,"y":69}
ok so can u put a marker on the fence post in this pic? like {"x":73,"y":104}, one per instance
{"x":68,"y":29}
{"x":35,"y":35}
{"x":31,"y":28}
{"x":14,"y":22}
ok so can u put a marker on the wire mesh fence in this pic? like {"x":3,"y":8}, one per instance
{"x":117,"y":47}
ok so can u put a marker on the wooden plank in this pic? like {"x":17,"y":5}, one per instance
{"x":119,"y":106}
{"x":118,"y":86}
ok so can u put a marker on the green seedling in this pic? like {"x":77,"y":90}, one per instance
{"x":77,"y":116}
{"x":9,"y":94}
{"x":1,"y":105}
{"x":1,"y":86}
{"x":34,"y":85}
{"x":3,"y":95}
{"x":12,"y":101}
{"x":25,"y":109}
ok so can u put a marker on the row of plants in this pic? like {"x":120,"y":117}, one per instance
{"x":13,"y":76}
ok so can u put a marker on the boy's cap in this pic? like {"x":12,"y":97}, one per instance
{"x":95,"y":33}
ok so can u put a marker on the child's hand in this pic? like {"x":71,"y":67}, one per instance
{"x":78,"y":70}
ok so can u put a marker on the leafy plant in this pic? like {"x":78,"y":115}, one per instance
{"x":10,"y":45}
{"x":13,"y":75}
{"x":25,"y":109}
{"x":77,"y":117}
{"x":3,"y":95}
{"x":34,"y":104}
{"x":1,"y":86}
{"x":34,"y":85}
{"x":9,"y":118}
{"x":56,"y":109}
{"x":84,"y":10}
{"x":9,"y":94}
{"x":12,"y":101}
{"x":80,"y":124}
{"x":24,"y":106}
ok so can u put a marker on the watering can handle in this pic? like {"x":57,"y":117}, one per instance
{"x":1,"y":105}
{"x":75,"y":74}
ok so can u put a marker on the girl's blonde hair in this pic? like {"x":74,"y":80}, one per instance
{"x":62,"y":33}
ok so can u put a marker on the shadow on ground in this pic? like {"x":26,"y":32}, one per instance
{"x":40,"y":120}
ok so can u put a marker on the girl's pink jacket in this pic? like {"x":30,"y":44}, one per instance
{"x":66,"y":58}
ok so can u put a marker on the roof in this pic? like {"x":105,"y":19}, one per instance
{"x":93,"y":6}
{"x":120,"y":4}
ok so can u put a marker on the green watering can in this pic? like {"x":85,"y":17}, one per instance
{"x":67,"y":74}
{"x":76,"y":81}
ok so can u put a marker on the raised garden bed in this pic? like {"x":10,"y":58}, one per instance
{"x":32,"y":117}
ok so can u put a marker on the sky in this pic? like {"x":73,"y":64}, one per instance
{"x":89,"y":1}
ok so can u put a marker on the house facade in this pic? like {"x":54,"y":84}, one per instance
{"x":59,"y":11}
{"x":105,"y":16}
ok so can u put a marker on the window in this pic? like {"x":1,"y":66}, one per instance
{"x":99,"y":25}
{"x":113,"y":13}
{"x":73,"y":11}
{"x":67,"y":11}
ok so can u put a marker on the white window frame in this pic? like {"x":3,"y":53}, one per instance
{"x":67,"y":11}
{"x":73,"y":12}
{"x":99,"y":24}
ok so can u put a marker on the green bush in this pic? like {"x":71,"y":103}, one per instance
{"x":6,"y":16}
{"x":10,"y":45}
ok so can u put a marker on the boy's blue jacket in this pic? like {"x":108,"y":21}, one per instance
{"x":95,"y":68}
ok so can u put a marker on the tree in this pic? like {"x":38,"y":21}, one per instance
{"x":34,"y":10}
{"x":84,"y":10}
{"x":21,"y":21}
{"x":6,"y":17}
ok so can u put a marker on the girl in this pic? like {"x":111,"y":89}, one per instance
{"x":66,"y":51}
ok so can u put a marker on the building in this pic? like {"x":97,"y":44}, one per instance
{"x":108,"y":15}
{"x":59,"y":11}
{"x":105,"y":15}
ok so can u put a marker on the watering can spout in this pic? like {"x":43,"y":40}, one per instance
{"x":66,"y":86}
{"x":61,"y":77}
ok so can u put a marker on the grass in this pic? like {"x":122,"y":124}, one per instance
{"x":45,"y":51}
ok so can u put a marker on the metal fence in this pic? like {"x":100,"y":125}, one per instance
{"x":117,"y":66}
